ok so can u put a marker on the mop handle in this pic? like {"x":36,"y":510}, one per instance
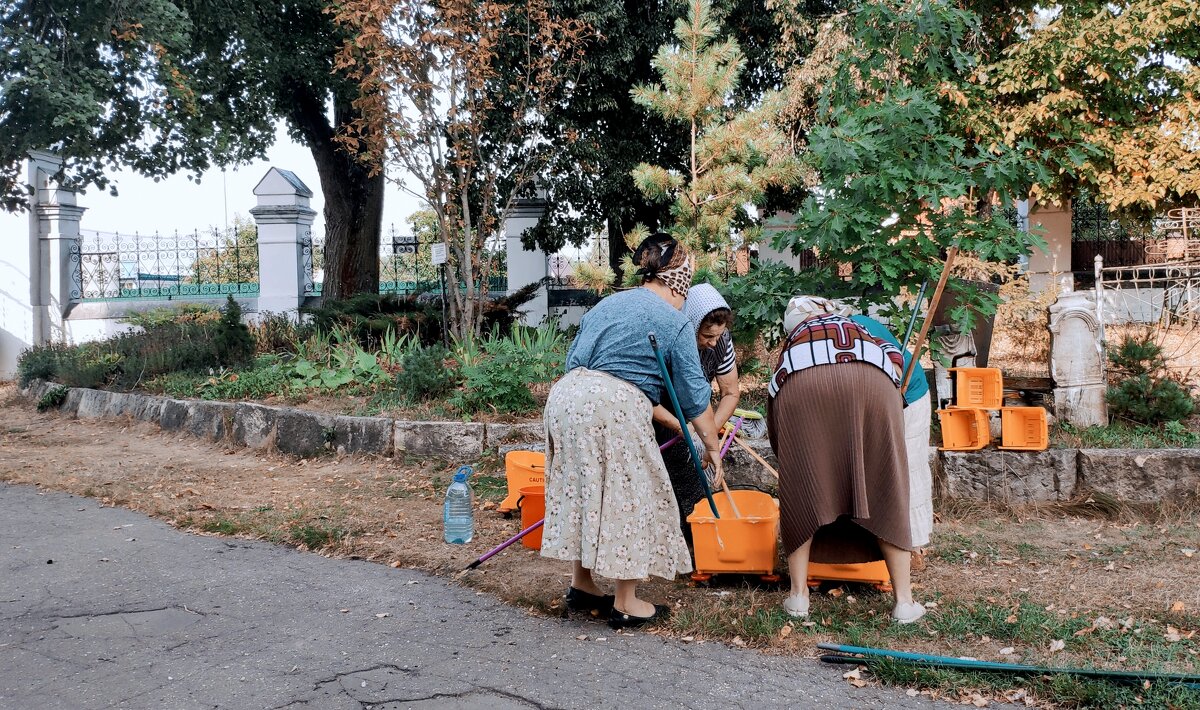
{"x":729,"y":438}
{"x":687,"y":437}
{"x":505,"y":544}
{"x":933,"y":304}
{"x":912,"y":320}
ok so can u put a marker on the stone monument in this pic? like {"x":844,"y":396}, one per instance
{"x":1077,"y":360}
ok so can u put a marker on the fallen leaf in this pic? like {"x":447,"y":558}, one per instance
{"x":1178,"y":606}
{"x":912,"y":693}
{"x":1188,"y":552}
{"x":979,"y":701}
{"x":1007,"y":651}
{"x":737,"y":641}
{"x":785,"y":631}
{"x":582,"y":637}
{"x":344,"y":611}
{"x":1172,"y":634}
{"x":384,"y":615}
{"x":855,"y":678}
{"x":836,"y":592}
{"x":1012,"y":619}
{"x":1102,"y":622}
{"x":1057,"y":645}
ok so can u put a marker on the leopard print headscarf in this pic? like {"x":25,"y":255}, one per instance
{"x":678,"y":279}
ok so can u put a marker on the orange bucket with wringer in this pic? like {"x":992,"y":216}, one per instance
{"x":740,"y":545}
{"x":522,"y":469}
{"x":532,"y":502}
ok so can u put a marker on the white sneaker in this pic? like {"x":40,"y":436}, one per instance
{"x":907,"y":613}
{"x":796,"y":606}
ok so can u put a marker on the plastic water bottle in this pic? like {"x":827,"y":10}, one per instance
{"x":458,"y":515}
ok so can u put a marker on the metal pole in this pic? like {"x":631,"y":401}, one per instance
{"x":445,"y":321}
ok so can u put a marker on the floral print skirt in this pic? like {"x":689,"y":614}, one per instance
{"x":609,"y":502}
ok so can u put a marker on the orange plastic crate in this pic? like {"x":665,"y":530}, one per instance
{"x":746,"y":545}
{"x":522,"y":469}
{"x":1024,"y":429}
{"x":981,"y":387}
{"x":875,"y":573}
{"x":964,"y":429}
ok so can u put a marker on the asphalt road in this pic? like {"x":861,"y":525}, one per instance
{"x":106,"y":608}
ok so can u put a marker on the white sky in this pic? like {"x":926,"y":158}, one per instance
{"x":176,"y":203}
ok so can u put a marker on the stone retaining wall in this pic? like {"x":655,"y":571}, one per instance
{"x":1015,"y":477}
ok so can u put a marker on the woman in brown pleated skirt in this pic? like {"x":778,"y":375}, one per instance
{"x":837,"y":429}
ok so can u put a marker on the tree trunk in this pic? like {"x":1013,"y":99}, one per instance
{"x":353,"y":201}
{"x":353,"y":222}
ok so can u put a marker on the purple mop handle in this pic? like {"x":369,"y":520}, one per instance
{"x":671,"y":442}
{"x":506,"y":543}
{"x":729,"y":441}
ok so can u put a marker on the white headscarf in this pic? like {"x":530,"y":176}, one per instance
{"x":702,"y":299}
{"x":801,"y":308}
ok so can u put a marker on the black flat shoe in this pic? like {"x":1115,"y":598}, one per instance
{"x":581,"y":601}
{"x":621,"y":620}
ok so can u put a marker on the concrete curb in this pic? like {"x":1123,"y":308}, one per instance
{"x":1013,"y":477}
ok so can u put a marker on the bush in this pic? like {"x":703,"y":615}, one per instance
{"x":1146,"y":393}
{"x":53,"y":398}
{"x":41,"y":362}
{"x":193,"y":339}
{"x":269,"y":377}
{"x":498,"y":376}
{"x":233,"y":341}
{"x":277,"y":333}
{"x":424,"y":374}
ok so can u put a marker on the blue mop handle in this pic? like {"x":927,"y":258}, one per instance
{"x":687,"y":437}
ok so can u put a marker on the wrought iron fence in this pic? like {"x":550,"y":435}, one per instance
{"x":1119,"y":241}
{"x":209,"y":263}
{"x":563,"y":290}
{"x":405,"y":266}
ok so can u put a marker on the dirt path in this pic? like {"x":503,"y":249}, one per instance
{"x":1070,"y":570}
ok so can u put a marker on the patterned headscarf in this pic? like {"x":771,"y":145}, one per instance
{"x":678,"y":279}
{"x":801,"y":308}
{"x":702,"y":299}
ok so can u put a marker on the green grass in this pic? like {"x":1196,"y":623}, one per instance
{"x":1064,"y":690}
{"x":315,"y":536}
{"x":222,"y":526}
{"x":1120,"y":435}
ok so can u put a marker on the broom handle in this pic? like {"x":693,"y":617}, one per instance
{"x":756,"y":457}
{"x":724,"y":448}
{"x":933,"y":304}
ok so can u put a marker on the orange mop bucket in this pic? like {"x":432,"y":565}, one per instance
{"x":745,"y":545}
{"x":522,"y":468}
{"x":532,"y":501}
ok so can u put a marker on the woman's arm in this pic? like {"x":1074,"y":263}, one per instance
{"x":664,"y":417}
{"x":731,"y":394}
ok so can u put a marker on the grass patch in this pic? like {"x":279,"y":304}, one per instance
{"x":1123,"y":435}
{"x":1063,"y":690}
{"x":315,"y":536}
{"x":221,"y":526}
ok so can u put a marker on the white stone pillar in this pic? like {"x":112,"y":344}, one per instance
{"x":526,"y":266}
{"x":1077,"y":360}
{"x":1053,"y":224}
{"x":284,"y":221}
{"x":58,"y":277}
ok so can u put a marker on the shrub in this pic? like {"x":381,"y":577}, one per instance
{"x":269,"y":377}
{"x":54,"y":397}
{"x":424,"y":374}
{"x":1146,"y":393}
{"x":185,"y":313}
{"x":500,"y":375}
{"x":277,"y":333}
{"x":40,"y":362}
{"x":233,"y":341}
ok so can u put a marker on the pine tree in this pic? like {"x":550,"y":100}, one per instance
{"x":734,"y":157}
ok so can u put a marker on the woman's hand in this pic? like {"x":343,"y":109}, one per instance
{"x":712,"y":459}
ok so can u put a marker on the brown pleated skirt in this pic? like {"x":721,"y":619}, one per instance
{"x":838,"y":432}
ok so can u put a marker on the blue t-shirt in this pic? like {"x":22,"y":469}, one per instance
{"x":918,"y":386}
{"x":613,"y":339}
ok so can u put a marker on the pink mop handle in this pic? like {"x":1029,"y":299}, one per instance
{"x":729,"y":439}
{"x":671,"y":442}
